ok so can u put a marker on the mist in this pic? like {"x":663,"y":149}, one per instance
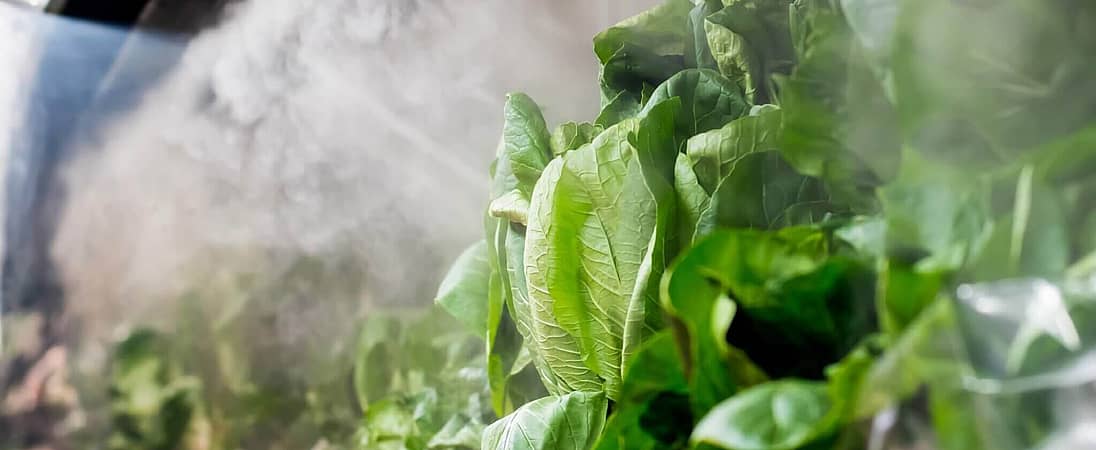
{"x":351,"y":131}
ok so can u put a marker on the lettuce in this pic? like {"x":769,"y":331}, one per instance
{"x":768,"y":219}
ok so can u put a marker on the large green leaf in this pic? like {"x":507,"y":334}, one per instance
{"x":751,"y":39}
{"x":464,"y":290}
{"x":745,"y":295}
{"x":656,"y":152}
{"x":703,"y":314}
{"x":715,"y":153}
{"x":590,"y":230}
{"x":523,"y":153}
{"x":838,"y":123}
{"x":698,"y":54}
{"x":729,"y":52}
{"x":708,"y":99}
{"x":522,"y":384}
{"x":556,"y":353}
{"x":780,"y":415}
{"x":691,"y":200}
{"x":504,"y":341}
{"x":644,"y":50}
{"x":567,"y":422}
{"x":764,"y":192}
{"x":526,"y":142}
{"x":794,"y":299}
{"x":507,"y":317}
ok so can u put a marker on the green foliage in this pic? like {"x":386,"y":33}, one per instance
{"x":567,"y":422}
{"x":421,"y":384}
{"x":153,"y":404}
{"x":777,"y":415}
{"x":781,"y":223}
{"x":754,"y":244}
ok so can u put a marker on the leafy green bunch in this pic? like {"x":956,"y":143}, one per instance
{"x":416,"y":387}
{"x":753,"y":245}
{"x":421,"y":384}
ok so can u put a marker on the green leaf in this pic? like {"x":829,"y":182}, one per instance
{"x":512,"y":206}
{"x":622,"y":106}
{"x":697,"y":53}
{"x":572,"y":135}
{"x":153,"y":403}
{"x":526,"y":143}
{"x":780,"y":415}
{"x":709,"y":101}
{"x":388,"y":420}
{"x":729,"y":52}
{"x":795,"y":309}
{"x":866,"y":235}
{"x":567,"y":422}
{"x":643,"y":50}
{"x":463,"y":291}
{"x":715,"y":153}
{"x":524,"y":149}
{"x":655,"y":151}
{"x":691,"y":201}
{"x":846,"y":378}
{"x":904,"y":292}
{"x":939,"y":210}
{"x":460,"y":432}
{"x":556,"y":353}
{"x":764,"y":192}
{"x":506,"y":295}
{"x":838,"y":122}
{"x":590,"y":231}
{"x":654,"y":141}
{"x":692,"y":292}
{"x":374,"y":365}
{"x":653,"y":410}
{"x":752,"y":40}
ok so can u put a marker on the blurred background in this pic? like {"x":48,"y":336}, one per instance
{"x":169,"y":164}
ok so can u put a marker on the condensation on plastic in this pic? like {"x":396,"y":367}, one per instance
{"x":1028,"y":352}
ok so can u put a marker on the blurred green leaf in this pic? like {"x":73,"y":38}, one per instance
{"x":567,"y":422}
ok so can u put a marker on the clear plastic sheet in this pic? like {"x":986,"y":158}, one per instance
{"x":1025,"y":356}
